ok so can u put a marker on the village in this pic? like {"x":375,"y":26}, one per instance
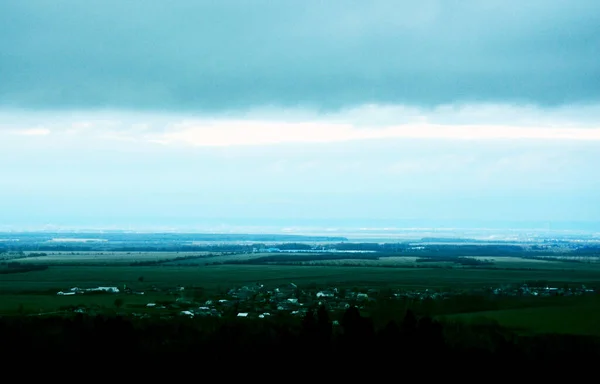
{"x":259,"y":301}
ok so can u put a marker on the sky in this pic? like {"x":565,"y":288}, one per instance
{"x":291,"y":113}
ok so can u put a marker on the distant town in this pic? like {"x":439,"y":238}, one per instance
{"x":260,"y":301}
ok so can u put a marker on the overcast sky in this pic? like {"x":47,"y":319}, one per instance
{"x":187,"y":112}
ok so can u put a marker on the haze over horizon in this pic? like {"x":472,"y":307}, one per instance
{"x":295,"y":113}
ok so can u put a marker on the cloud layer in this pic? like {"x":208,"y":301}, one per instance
{"x":151,"y":112}
{"x":289,"y":126}
{"x":229,"y":55}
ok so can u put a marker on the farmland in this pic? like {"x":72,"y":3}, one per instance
{"x":212,"y":277}
{"x":99,"y":258}
{"x":205,"y":258}
{"x":149,"y":269}
{"x":579,"y":316}
{"x":136,"y":292}
{"x":37,"y":289}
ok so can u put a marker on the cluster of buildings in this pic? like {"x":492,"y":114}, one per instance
{"x":78,"y":291}
{"x":525,"y":290}
{"x":258,"y":301}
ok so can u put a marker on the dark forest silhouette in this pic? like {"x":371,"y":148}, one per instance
{"x":411,"y":338}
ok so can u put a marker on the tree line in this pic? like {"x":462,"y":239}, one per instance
{"x":408,"y":339}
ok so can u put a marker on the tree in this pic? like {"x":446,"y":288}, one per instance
{"x":141,"y":279}
{"x":324,"y":323}
{"x":358,"y":331}
{"x":119,"y":303}
{"x":323,"y":315}
{"x":309,"y":323}
{"x":198,"y":294}
{"x":409,"y":323}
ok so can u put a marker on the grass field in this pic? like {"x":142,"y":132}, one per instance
{"x":62,"y":277}
{"x":177,"y":259}
{"x":36,"y":290}
{"x":39,"y":303}
{"x":400,"y":261}
{"x":57,"y":258}
{"x":410,"y":261}
{"x":215,"y":258}
{"x":577,"y":317}
{"x":517,"y":262}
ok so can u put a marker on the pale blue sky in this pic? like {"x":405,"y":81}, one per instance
{"x":120,"y":113}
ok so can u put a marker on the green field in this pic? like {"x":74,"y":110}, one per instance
{"x":36,"y":291}
{"x":579,"y":316}
{"x":40,"y":303}
{"x":90,"y":258}
{"x":214,"y":276}
{"x":93,"y":257}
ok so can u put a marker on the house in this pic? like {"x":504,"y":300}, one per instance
{"x":105,"y":289}
{"x":183,"y":300}
{"x":324,"y":294}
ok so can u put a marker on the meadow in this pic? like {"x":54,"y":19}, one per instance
{"x":36,"y":291}
{"x":211,"y":271}
{"x":507,"y":262}
{"x":580,"y":316}
{"x":96,"y":257}
{"x":212,"y":276}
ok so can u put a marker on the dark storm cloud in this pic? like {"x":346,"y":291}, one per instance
{"x":217,"y":55}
